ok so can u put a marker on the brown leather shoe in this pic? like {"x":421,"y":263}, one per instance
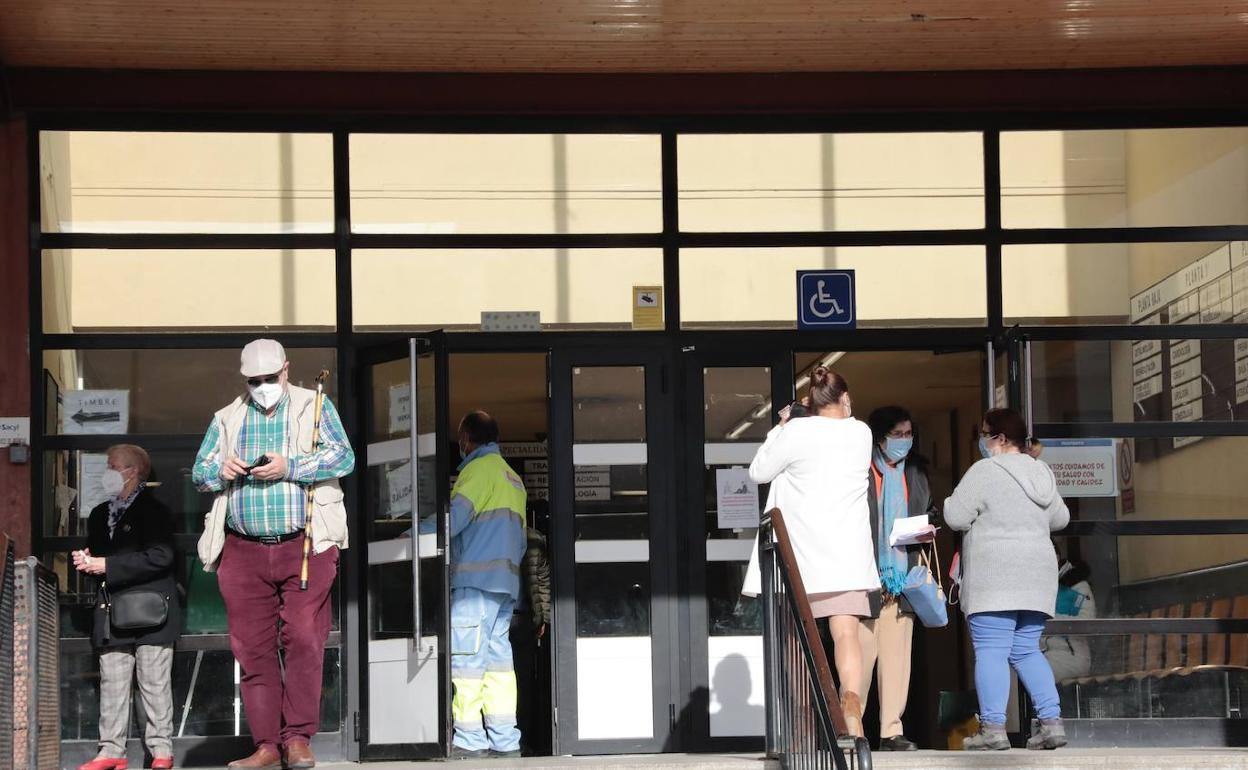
{"x":299,"y":756}
{"x":265,"y":758}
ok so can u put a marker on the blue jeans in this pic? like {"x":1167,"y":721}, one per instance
{"x":483,"y":707}
{"x":1004,"y":639}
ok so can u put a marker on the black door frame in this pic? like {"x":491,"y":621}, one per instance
{"x":668,"y":664}
{"x":355,"y":642}
{"x":696,"y":731}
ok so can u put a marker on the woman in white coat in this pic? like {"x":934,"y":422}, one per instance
{"x":818,"y":467}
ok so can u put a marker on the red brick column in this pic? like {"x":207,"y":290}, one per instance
{"x":15,"y":480}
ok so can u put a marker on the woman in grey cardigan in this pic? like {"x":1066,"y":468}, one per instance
{"x":1007,"y":504}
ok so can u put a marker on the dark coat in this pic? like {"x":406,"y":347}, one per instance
{"x":140,"y":554}
{"x":919,"y":503}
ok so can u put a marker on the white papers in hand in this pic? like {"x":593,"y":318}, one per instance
{"x":911,"y":531}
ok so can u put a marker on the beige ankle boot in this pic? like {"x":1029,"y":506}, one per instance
{"x":851,"y":706}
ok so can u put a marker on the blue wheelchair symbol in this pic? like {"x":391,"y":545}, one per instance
{"x":825,"y":299}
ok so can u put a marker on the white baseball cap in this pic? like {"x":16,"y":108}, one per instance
{"x":262,"y":357}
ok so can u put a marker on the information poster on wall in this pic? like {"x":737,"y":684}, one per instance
{"x":736,"y":498}
{"x":1192,"y":380}
{"x":95,"y":412}
{"x":1083,"y":467}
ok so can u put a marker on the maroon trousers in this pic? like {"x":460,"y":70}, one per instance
{"x":260,"y":586}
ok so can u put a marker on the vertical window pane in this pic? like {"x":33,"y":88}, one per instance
{"x":507,"y":183}
{"x":1124,"y":178}
{"x":734,"y":182}
{"x":174,"y":182}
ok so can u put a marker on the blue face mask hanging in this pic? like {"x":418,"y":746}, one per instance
{"x":897,"y":449}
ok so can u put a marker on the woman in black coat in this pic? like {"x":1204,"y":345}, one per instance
{"x":130,"y":547}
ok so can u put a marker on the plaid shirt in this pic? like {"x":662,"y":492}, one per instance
{"x":266,"y":508}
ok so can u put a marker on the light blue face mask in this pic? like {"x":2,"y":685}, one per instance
{"x":897,"y":449}
{"x":983,"y":447}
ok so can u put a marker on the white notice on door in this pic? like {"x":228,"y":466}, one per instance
{"x":737,"y":497}
{"x":400,"y":408}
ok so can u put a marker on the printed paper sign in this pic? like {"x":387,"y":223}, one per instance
{"x":399,"y":491}
{"x":1083,"y":467}
{"x":737,"y":497}
{"x":97,"y":412}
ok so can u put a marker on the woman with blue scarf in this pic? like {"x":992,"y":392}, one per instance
{"x":898,"y":489}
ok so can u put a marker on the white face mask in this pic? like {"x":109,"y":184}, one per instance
{"x":112,"y":482}
{"x":267,"y":395}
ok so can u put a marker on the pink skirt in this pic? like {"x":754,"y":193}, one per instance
{"x":828,"y":605}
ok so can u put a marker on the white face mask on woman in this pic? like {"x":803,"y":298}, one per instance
{"x":112,"y":482}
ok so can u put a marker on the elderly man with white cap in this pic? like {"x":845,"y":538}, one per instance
{"x":259,"y":459}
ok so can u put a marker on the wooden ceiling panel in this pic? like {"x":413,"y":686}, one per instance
{"x":622,"y":35}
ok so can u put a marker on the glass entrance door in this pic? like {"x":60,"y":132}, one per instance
{"x":730,"y":404}
{"x":404,"y":665}
{"x":611,"y":455}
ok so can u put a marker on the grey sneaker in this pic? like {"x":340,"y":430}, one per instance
{"x":989,"y":738}
{"x":1049,"y":734}
{"x":458,"y":752}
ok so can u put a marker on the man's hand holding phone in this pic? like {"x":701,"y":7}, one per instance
{"x":233,"y":469}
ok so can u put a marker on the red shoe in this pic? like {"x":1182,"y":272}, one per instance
{"x":105,"y":763}
{"x":162,"y":763}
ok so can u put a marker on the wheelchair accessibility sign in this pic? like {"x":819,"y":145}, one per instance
{"x":825,"y":299}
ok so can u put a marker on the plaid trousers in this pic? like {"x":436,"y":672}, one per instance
{"x":154,"y":663}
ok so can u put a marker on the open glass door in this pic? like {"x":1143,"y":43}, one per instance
{"x":405,"y":666}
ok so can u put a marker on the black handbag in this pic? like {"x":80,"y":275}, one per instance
{"x":133,"y":610}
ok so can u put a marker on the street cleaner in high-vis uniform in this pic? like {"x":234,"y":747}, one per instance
{"x":487,"y":545}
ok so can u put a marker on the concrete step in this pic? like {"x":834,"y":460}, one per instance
{"x":1062,"y":759}
{"x":1066,"y":759}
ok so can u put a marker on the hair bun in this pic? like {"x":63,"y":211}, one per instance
{"x":819,"y":377}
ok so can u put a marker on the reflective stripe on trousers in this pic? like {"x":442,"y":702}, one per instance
{"x":482,"y":672}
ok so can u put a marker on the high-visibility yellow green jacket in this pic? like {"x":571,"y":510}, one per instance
{"x":487,"y":524}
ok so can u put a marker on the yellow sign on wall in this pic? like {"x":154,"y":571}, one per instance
{"x":648,"y":307}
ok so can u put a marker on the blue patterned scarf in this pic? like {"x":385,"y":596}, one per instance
{"x":892,"y":504}
{"x":117,"y":508}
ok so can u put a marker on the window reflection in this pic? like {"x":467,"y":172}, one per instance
{"x":613,"y":599}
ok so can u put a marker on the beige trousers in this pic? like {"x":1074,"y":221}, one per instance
{"x":887,"y":642}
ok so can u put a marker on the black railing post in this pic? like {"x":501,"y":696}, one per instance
{"x":805,"y":727}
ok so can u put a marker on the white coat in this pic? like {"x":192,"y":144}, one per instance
{"x":819,"y":468}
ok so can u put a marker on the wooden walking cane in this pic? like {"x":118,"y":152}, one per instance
{"x":311,"y":491}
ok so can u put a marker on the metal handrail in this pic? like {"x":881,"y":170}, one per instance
{"x":806,"y":727}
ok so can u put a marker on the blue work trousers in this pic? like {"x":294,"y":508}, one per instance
{"x":483,"y":708}
{"x":1002,"y":640}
